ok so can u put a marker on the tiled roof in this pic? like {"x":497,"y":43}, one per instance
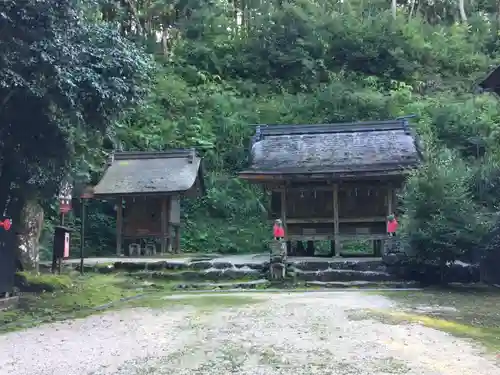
{"x":150,"y":173}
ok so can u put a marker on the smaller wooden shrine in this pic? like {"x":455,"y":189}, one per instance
{"x":334,"y":182}
{"x":148,"y":188}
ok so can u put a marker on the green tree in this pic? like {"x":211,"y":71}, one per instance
{"x":441,"y":223}
{"x":64,"y":78}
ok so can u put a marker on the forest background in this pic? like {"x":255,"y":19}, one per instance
{"x":81,"y":78}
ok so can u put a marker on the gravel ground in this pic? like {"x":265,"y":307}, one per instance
{"x":295,"y":333}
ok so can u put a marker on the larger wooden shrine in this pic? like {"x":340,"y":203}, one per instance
{"x":147,"y":188}
{"x":333,"y":182}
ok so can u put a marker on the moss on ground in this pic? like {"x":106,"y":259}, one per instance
{"x":74,"y":296}
{"x":465,"y":312}
{"x":46,"y":281}
{"x":201,"y":303}
{"x":69,"y":295}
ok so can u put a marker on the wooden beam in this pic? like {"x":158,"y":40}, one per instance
{"x":327,"y":220}
{"x":336,"y":219}
{"x":164,"y":225}
{"x":119,"y":226}
{"x":340,"y":237}
{"x":313,"y":187}
{"x":327,"y":185}
{"x":335,"y":176}
{"x":319,"y":220}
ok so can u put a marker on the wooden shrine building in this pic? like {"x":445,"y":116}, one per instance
{"x":333,"y":182}
{"x":147,"y":188}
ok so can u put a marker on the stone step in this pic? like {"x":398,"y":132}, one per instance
{"x":205,"y":265}
{"x":200,"y":265}
{"x":204,"y":275}
{"x":255,"y":284}
{"x":197,"y":264}
{"x":338,"y":264}
{"x":7,"y":303}
{"x":264,"y":284}
{"x":343,"y":275}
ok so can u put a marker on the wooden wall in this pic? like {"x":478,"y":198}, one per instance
{"x":142,"y":216}
{"x":354,"y":201}
{"x":155,"y":219}
{"x":330,"y":210}
{"x":362,"y":201}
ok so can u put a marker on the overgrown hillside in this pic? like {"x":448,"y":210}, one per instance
{"x":221,"y":66}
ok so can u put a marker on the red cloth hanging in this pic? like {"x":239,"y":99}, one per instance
{"x":392,"y":226}
{"x":278,"y":231}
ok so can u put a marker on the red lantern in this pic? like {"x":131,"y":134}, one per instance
{"x":6,"y":224}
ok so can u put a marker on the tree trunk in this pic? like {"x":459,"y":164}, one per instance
{"x":461,"y":7}
{"x":412,"y":9}
{"x":394,"y":7}
{"x":30,"y":230}
{"x":135,"y":15}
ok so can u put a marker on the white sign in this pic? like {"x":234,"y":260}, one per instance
{"x":65,"y":191}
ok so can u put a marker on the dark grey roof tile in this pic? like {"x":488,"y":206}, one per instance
{"x":335,"y":151}
{"x":149,"y":172}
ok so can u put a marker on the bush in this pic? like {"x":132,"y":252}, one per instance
{"x":440,"y":223}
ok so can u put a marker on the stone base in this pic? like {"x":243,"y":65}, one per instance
{"x":365,"y":284}
{"x":256,"y":284}
{"x":343,"y":275}
{"x":205,"y":275}
{"x":8,"y":303}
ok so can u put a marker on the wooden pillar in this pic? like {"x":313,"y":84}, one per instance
{"x":310,"y":249}
{"x":332,"y":248}
{"x":283,"y":211}
{"x":169,"y":225}
{"x":394,"y":200}
{"x":336,"y":248}
{"x":119,"y":226}
{"x":177,"y":239}
{"x":164,"y":225}
{"x":288,"y":244}
{"x":378,"y":249}
{"x":390,"y":197}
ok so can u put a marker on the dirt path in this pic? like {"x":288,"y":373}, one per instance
{"x":296,"y":333}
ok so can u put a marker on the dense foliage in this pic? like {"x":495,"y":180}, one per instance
{"x":224,"y":65}
{"x":63,"y":79}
